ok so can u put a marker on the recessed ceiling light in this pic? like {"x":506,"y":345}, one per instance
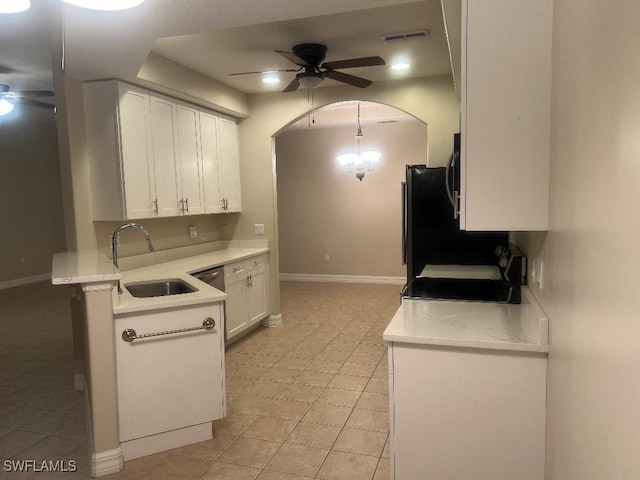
{"x":105,"y":4}
{"x":400,"y":66}
{"x":5,"y":107}
{"x":14,"y":6}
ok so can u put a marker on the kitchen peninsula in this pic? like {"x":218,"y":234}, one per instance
{"x":467,"y":385}
{"x":122,"y":422}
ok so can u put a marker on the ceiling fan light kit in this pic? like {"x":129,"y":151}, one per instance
{"x":311,"y":71}
{"x":105,"y":4}
{"x":14,"y":6}
{"x":5,"y":107}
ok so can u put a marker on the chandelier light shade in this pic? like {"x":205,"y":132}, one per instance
{"x":359,"y":162}
{"x":14,"y":6}
{"x":105,"y":4}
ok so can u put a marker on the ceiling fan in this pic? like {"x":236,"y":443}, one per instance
{"x":26,"y":97}
{"x":311,"y":71}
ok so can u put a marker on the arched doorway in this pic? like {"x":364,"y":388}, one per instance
{"x":331,"y":225}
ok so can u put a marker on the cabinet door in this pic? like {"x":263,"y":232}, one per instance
{"x":170,"y":381}
{"x":163,"y":131}
{"x":229,"y":164}
{"x":189,"y":161}
{"x":506,"y":109}
{"x":209,"y":152}
{"x":257,"y":293}
{"x":236,"y":304}
{"x":136,"y":152}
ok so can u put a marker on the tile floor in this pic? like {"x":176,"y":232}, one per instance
{"x":307,"y":400}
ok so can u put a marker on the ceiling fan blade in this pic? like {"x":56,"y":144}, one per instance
{"x":35,"y":103}
{"x":293,"y":58}
{"x":355,"y":62}
{"x":293,"y":86}
{"x":268,"y":71}
{"x":346,"y":78}
{"x":29,"y":93}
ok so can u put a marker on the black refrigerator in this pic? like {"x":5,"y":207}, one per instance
{"x":432,"y":240}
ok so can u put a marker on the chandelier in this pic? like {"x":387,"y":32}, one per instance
{"x":359,"y":162}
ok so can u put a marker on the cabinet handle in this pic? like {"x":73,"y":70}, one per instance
{"x":250,"y":281}
{"x":129,"y":334}
{"x":155,"y":206}
{"x":181,"y":207}
{"x":187,"y":203}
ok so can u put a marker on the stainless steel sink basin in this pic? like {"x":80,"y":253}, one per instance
{"x":159,"y":288}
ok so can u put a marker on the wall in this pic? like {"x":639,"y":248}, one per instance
{"x":31,"y":216}
{"x":322,"y":209}
{"x":591,"y":255}
{"x":431,"y":100}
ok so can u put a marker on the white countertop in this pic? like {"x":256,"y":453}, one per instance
{"x":522,"y":327}
{"x":180,"y":268}
{"x":85,"y":268}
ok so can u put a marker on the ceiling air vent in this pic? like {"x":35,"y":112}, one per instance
{"x":403,"y":37}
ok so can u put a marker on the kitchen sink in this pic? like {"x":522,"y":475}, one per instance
{"x":159,"y":288}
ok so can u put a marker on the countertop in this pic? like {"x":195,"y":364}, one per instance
{"x":522,"y":327}
{"x":86,"y":268}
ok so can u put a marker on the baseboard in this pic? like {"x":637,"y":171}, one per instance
{"x":141,"y":447}
{"x":312,"y":277}
{"x":106,"y":463}
{"x":25,"y":281}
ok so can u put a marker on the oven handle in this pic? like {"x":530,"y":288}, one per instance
{"x":129,"y":334}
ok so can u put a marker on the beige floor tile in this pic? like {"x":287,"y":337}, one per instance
{"x":208,"y":450}
{"x":262,"y":360}
{"x":136,"y":469}
{"x":305,"y":393}
{"x":298,"y":459}
{"x":381,"y":371}
{"x":288,"y":409}
{"x":378,"y":385}
{"x":368,"y":420}
{"x":18,"y":417}
{"x":233,"y":424}
{"x":349,"y":382}
{"x":309,"y":377}
{"x":236,"y":385}
{"x":326,"y":366}
{"x":4,"y":431}
{"x":52,"y":447}
{"x":327,"y":414}
{"x":295,"y":363}
{"x":366,"y":358}
{"x":279,"y":374}
{"x":5,"y":408}
{"x":357,"y":369}
{"x":387,"y":446}
{"x":365,"y":442}
{"x":351,"y":466}
{"x":270,"y":475}
{"x":374,"y":401}
{"x":228,"y":471}
{"x":383,"y":472}
{"x":177,"y":467}
{"x":250,"y":452}
{"x":270,"y":428}
{"x":314,"y":435}
{"x":334,"y":356}
{"x":248,"y":404}
{"x":248,"y":371}
{"x":16,"y":441}
{"x":52,"y":422}
{"x":339,"y":396}
{"x":265,"y":388}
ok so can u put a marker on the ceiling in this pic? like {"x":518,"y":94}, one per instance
{"x":347,"y":35}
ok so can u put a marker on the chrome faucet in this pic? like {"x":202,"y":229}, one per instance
{"x":114,"y":243}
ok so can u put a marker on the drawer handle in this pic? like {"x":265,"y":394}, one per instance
{"x":129,"y":334}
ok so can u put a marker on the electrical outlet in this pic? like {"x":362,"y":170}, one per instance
{"x":193,"y":232}
{"x":326,"y":257}
{"x":259,"y":228}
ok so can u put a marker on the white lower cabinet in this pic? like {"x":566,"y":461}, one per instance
{"x":465,"y":413}
{"x":246,"y":289}
{"x":170,"y":386}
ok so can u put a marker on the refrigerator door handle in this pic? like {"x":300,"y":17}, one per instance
{"x":404,"y":223}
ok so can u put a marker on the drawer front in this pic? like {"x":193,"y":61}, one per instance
{"x":257,"y":263}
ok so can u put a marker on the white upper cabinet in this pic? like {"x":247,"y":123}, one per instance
{"x":505,"y":89}
{"x":154,"y":156}
{"x":120,"y":150}
{"x":189,"y":161}
{"x":229,"y":165}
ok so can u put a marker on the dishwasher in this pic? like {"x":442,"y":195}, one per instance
{"x":214,"y":277}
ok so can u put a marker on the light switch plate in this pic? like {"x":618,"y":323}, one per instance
{"x":259,"y":228}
